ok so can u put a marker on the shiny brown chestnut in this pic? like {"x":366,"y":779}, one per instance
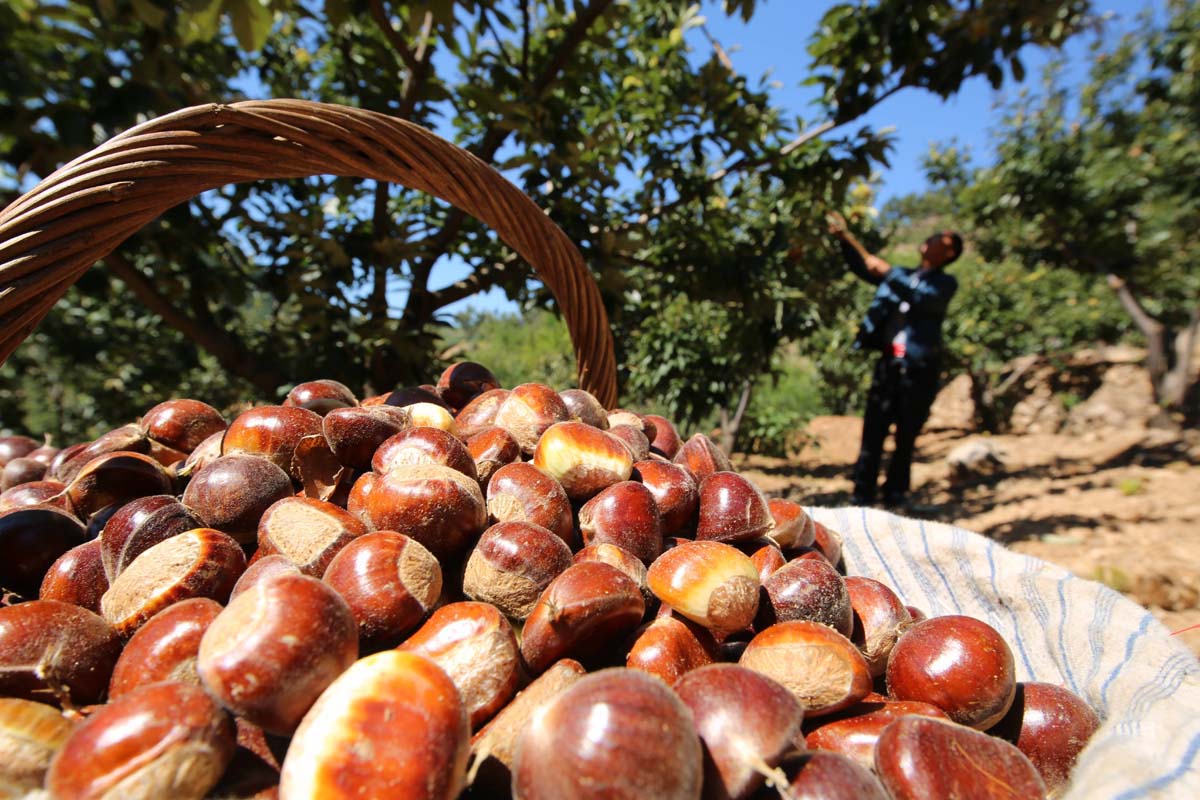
{"x":273,"y":433}
{"x":855,"y":731}
{"x":116,"y":478}
{"x":959,"y":664}
{"x":527,"y":411}
{"x":31,"y":540}
{"x":581,"y":613}
{"x":45,"y":454}
{"x":20,"y":471}
{"x":793,"y":527}
{"x":765,"y":555}
{"x":492,"y":449}
{"x":672,"y":646}
{"x":806,"y":589}
{"x":272,"y":651}
{"x":493,"y":748}
{"x":583,"y":459}
{"x":321,"y":396}
{"x":64,"y":465}
{"x":633,"y":438}
{"x":819,"y":775}
{"x":828,"y":542}
{"x":476,"y":646}
{"x":879,"y":619}
{"x":36,"y":494}
{"x":129,"y":438}
{"x":162,"y":740}
{"x":622,"y":416}
{"x":1051,"y":726}
{"x":407,"y":396}
{"x":355,"y":433}
{"x":197,"y":563}
{"x":710,"y":583}
{"x":584,"y":407}
{"x":139,"y":525}
{"x":263,"y":568}
{"x":920,"y":758}
{"x":463,"y":381}
{"x":702,"y":457}
{"x":182,"y":424}
{"x":615,"y":734}
{"x":16,"y":447}
{"x":746,"y":722}
{"x":392,"y":725}
{"x":626,"y":515}
{"x":165,"y":648}
{"x":666,"y":441}
{"x":30,"y":734}
{"x":421,"y":445}
{"x":390,"y":583}
{"x":623,"y":560}
{"x":732,"y":509}
{"x":675,"y":491}
{"x":522,"y":492}
{"x":440,"y":507}
{"x":432,"y":415}
{"x":512,"y":564}
{"x":308,"y":532}
{"x":822,"y":668}
{"x":55,"y":653}
{"x":77,"y":577}
{"x":231,"y":494}
{"x":480,"y":413}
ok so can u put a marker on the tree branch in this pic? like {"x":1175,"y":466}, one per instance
{"x":1157,"y":362}
{"x":482,"y":279}
{"x":393,"y":36}
{"x":228,"y":350}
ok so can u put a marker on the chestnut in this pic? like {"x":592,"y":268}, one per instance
{"x":746,"y":722}
{"x":674,"y":491}
{"x":671,"y":646}
{"x":31,"y":540}
{"x":1051,"y":726}
{"x":263,"y":568}
{"x":139,"y":525}
{"x":623,"y":560}
{"x":828,"y":542}
{"x":584,"y":407}
{"x":879,"y":619}
{"x":702,"y":457}
{"x":272,"y":651}
{"x":822,"y":668}
{"x":56,"y":653}
{"x":494,"y":746}
{"x":392,"y":725}
{"x":20,"y":471}
{"x":165,"y":648}
{"x":273,"y":433}
{"x":732,"y":509}
{"x":522,"y":492}
{"x":527,"y":411}
{"x":476,"y":646}
{"x":415,"y":445}
{"x":162,"y":740}
{"x":805,"y":589}
{"x":65,"y":463}
{"x":765,"y":555}
{"x":205,"y":453}
{"x":709,"y":583}
{"x":792,"y":527}
{"x":198,"y":563}
{"x":30,"y":734}
{"x":320,"y":396}
{"x":633,"y":438}
{"x":492,"y":449}
{"x":479,"y":414}
{"x":463,"y":381}
{"x":127,"y":438}
{"x":512,"y":564}
{"x":355,"y":433}
{"x":431,"y":415}
{"x":440,"y":507}
{"x":407,"y":396}
{"x":232,"y":492}
{"x":581,"y":613}
{"x":626,"y":515}
{"x":819,"y":775}
{"x":308,"y":532}
{"x":116,"y":478}
{"x":182,"y":424}
{"x":621,"y":416}
{"x":77,"y":577}
{"x":15,"y":447}
{"x":36,"y":493}
{"x":855,"y":731}
{"x":617,"y":733}
{"x":918,"y":758}
{"x":959,"y":664}
{"x":583,"y":459}
{"x":666,"y":441}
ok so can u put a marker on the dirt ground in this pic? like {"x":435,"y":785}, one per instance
{"x":1118,"y":507}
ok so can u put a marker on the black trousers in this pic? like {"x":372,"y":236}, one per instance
{"x":901,"y":394}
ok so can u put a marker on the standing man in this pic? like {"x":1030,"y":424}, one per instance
{"x":904,"y":326}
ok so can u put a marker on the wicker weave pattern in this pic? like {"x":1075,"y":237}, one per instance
{"x":50,"y":236}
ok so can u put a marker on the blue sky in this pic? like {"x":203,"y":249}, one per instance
{"x":774,"y":41}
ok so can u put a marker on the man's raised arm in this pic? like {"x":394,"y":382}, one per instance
{"x":869,"y":267}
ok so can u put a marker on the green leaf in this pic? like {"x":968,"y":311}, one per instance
{"x":201,"y":24}
{"x":149,"y":13}
{"x":252,"y":22}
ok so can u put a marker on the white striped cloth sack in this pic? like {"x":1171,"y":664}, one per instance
{"x":1062,"y":629}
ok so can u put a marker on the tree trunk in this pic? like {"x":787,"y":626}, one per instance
{"x":730,"y":426}
{"x":1168,"y":358}
{"x":1179,"y":382}
{"x":984,"y":401}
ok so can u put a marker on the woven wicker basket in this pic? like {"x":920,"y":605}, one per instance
{"x":50,"y":236}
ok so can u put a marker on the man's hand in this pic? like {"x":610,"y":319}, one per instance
{"x":1115,"y":282}
{"x":837,"y":223}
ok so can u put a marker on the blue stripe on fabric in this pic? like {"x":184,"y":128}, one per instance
{"x":1106,"y":602}
{"x":1170,"y":674}
{"x":1037,"y":606}
{"x":933,"y":602}
{"x":991,"y":557}
{"x":1158,"y":784}
{"x":1129,"y":645}
{"x":879,"y":555}
{"x":1062,"y":636}
{"x":933,"y":563}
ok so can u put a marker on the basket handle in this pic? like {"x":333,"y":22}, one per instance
{"x":50,"y":236}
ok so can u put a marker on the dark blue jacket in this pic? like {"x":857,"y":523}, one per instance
{"x":927,"y":295}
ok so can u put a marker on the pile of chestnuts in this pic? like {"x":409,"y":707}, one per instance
{"x":465,"y":590}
